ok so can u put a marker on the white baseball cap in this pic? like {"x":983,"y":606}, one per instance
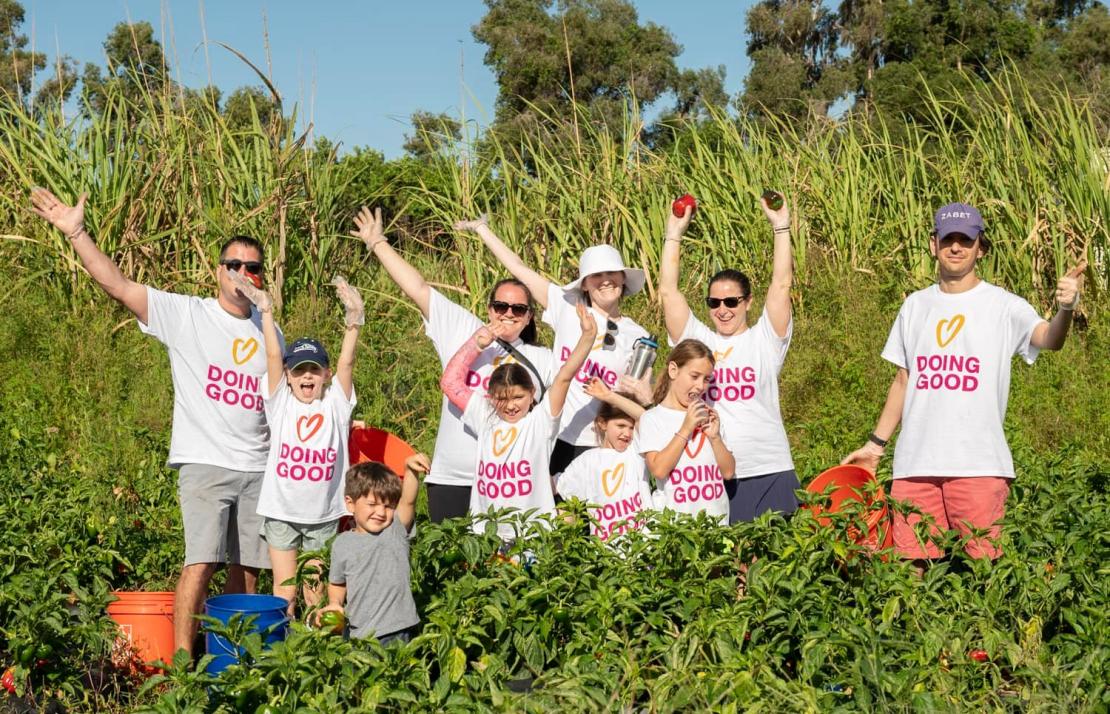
{"x":604,"y":259}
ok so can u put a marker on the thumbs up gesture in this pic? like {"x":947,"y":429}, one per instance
{"x":1068,"y":287}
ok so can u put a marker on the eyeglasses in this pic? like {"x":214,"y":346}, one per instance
{"x":253,"y":266}
{"x":519,"y":310}
{"x":713,"y":303}
{"x":610,"y":338}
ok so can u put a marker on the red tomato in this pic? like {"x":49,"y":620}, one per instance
{"x":7,"y":681}
{"x":979,"y":655}
{"x":681,"y":203}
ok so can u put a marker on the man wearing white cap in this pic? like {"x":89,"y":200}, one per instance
{"x":603,"y":280}
{"x":952,"y":344}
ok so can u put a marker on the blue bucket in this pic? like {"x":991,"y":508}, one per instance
{"x":269,"y":619}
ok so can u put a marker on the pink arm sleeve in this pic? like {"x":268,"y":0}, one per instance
{"x":453,"y":381}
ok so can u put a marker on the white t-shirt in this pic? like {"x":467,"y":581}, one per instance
{"x":606,"y":362}
{"x":217,"y":362}
{"x":308,"y":455}
{"x":449,"y":326}
{"x":616,"y":481}
{"x":957,"y":349}
{"x":745,"y":392}
{"x":512,"y":463}
{"x":695,"y":483}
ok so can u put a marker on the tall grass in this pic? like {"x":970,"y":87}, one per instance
{"x":173,"y":180}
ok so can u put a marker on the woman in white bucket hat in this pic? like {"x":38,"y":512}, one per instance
{"x":603,"y":280}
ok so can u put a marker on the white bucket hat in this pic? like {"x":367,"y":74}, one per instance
{"x":604,"y":259}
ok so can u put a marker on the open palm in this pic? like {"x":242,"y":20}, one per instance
{"x":67,"y":219}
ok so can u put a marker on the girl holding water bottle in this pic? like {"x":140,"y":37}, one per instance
{"x":603,"y":282}
{"x":744,"y":386}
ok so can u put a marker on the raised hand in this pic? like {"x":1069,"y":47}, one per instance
{"x":867,"y":456}
{"x":472,"y":225}
{"x":586,"y":319}
{"x":68,"y":219}
{"x":352,"y":301}
{"x":368,"y":227}
{"x":259,"y":297}
{"x":597,"y":388}
{"x":417,"y":464}
{"x":676,"y":227}
{"x":780,"y":218}
{"x":1069,"y":287}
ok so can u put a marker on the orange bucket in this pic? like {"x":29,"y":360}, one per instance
{"x":145,"y":622}
{"x":849,"y":483}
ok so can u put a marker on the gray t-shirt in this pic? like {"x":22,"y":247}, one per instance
{"x":375,"y":569}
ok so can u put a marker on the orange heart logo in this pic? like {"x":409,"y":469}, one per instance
{"x":310,"y":424}
{"x":614,"y":476}
{"x":700,"y":436}
{"x":954,"y":326}
{"x":503,"y":440}
{"x":243,"y":350}
{"x":598,"y":345}
{"x":718,"y":356}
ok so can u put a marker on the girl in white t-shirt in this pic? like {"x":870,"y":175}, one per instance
{"x":603,"y":281}
{"x":309,"y":415}
{"x":449,"y":325}
{"x":515,"y":433}
{"x":744,"y":388}
{"x":611,"y":477}
{"x":680,"y":439}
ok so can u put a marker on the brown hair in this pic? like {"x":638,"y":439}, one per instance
{"x":373,"y":477}
{"x":528,"y":335}
{"x":509,"y":375}
{"x":246,"y":241}
{"x":607,"y":412}
{"x":682,"y":353}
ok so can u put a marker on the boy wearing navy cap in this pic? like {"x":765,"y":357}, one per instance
{"x":953,"y":343}
{"x":310,"y":417}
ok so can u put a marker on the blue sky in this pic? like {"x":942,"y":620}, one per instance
{"x":357,"y":70}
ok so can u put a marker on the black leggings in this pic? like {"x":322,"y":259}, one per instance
{"x":447,"y":501}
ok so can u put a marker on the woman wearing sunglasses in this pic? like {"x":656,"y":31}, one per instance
{"x":602,"y":282}
{"x":744,"y":389}
{"x":449,"y":326}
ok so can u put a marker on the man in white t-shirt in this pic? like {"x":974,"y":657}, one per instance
{"x":952,"y":344}
{"x":219,"y":440}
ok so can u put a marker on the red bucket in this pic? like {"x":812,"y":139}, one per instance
{"x":851,"y":483}
{"x":366,"y":443}
{"x":145,"y":623}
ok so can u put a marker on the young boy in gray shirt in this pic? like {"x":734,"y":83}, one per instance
{"x":370,"y":564}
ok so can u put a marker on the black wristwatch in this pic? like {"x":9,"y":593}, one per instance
{"x":876,"y":440}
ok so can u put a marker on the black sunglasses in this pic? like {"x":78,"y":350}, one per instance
{"x":253,"y":266}
{"x":713,"y":303}
{"x":610,"y":338}
{"x":519,"y":310}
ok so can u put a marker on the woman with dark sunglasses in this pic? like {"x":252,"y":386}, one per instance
{"x":745,"y":388}
{"x":603,"y":281}
{"x":449,"y":326}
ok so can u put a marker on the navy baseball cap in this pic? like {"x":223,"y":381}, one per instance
{"x":305,"y":351}
{"x":958,"y":218}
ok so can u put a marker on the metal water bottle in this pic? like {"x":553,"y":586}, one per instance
{"x":643,"y":357}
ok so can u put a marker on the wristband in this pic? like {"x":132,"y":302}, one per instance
{"x":680,"y":436}
{"x":76,"y":233}
{"x":876,"y":440}
{"x":783,"y":229}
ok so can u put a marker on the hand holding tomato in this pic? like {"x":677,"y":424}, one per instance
{"x":682,"y":212}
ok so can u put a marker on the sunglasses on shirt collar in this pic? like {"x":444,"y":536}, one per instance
{"x":518,"y":309}
{"x":610,"y":337}
{"x":732,"y":301}
{"x":253,"y":266}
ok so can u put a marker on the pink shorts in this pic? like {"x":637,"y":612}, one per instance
{"x":959,"y":504}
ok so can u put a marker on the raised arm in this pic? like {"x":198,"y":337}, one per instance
{"x":265,"y":306}
{"x":599,"y":390}
{"x":537,"y":284}
{"x":869,"y":454}
{"x":1051,"y":335}
{"x":453,"y":381}
{"x":416,"y":466}
{"x":782,"y":271}
{"x":676,"y":311}
{"x":354,"y":317}
{"x":368,"y":228}
{"x":70,"y":220}
{"x":557,"y":392}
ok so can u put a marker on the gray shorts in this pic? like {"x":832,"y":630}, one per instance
{"x":219,"y":509}
{"x":748,"y":498}
{"x":284,"y":535}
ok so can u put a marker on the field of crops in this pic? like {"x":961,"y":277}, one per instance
{"x":773,"y":615}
